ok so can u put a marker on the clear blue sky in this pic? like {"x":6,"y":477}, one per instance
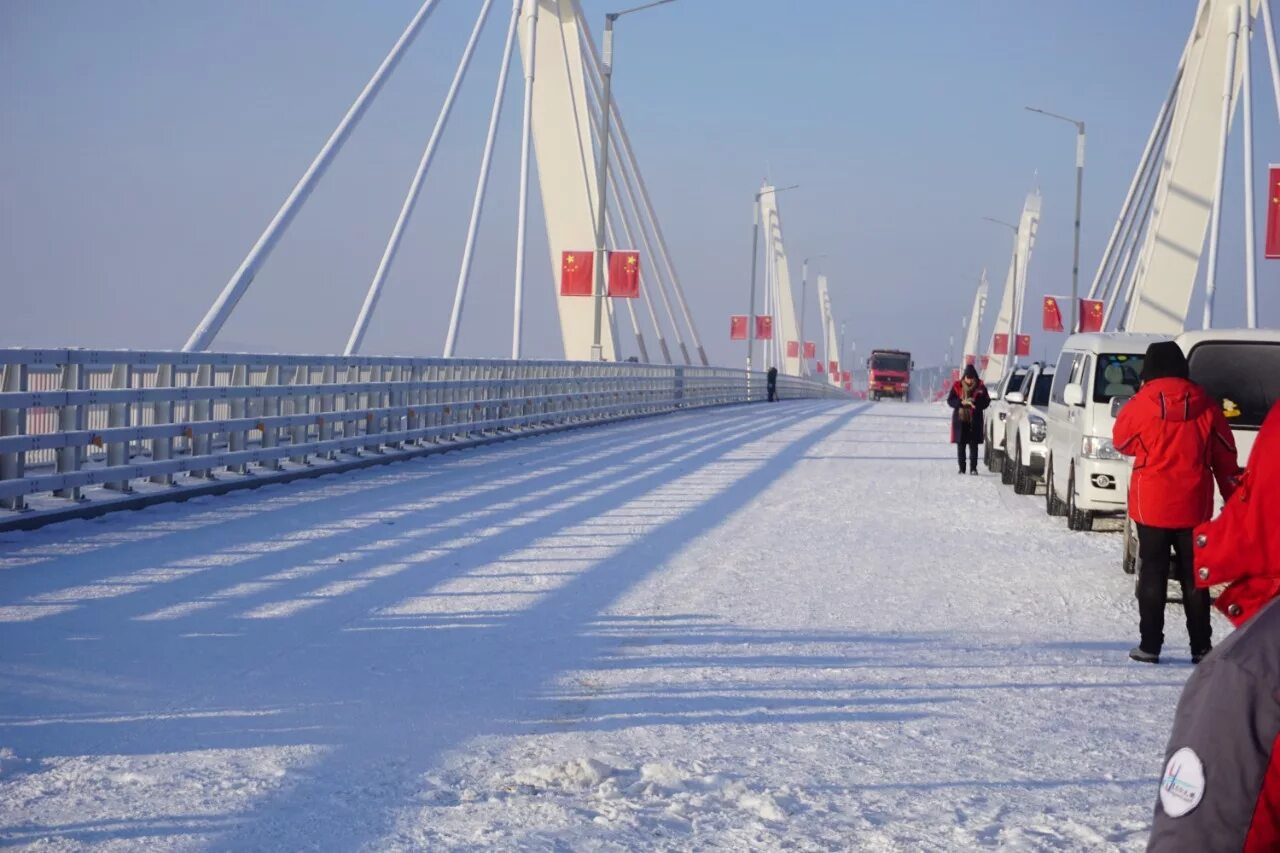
{"x":146,"y":145}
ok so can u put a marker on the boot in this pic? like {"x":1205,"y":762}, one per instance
{"x":1141,"y":655}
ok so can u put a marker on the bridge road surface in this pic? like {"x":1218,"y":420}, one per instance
{"x":748,"y":628}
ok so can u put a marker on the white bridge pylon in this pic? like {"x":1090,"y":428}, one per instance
{"x":1152,"y":261}
{"x":1009,"y":320}
{"x":562,"y":120}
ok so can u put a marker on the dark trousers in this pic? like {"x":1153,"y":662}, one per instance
{"x":1160,"y":552}
{"x":967,"y":437}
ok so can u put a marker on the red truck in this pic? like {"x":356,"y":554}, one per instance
{"x":889,"y":373}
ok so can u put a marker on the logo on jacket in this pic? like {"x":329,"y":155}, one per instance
{"x":1182,"y":787}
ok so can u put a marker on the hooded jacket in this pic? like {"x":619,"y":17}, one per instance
{"x":1221,"y":784}
{"x":1180,"y":442}
{"x":981,"y":399}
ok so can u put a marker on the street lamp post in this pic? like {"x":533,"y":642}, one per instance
{"x":602,"y":168}
{"x":1075,"y":258}
{"x":804,"y":278}
{"x":755,"y":251}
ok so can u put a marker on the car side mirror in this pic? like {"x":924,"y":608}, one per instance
{"x":1073,"y":394}
{"x":1015,"y":397}
{"x":1117,"y":403}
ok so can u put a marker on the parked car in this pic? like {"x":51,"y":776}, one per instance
{"x":1241,"y":369}
{"x":997,"y":412}
{"x":1084,"y":475}
{"x":1026,"y":429}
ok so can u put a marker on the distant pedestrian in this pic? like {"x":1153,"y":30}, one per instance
{"x":969,"y":399}
{"x":1221,"y":784}
{"x":1180,"y":442}
{"x":772,"y":382}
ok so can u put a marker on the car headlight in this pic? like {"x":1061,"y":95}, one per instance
{"x":1038,"y":428}
{"x":1098,"y":447}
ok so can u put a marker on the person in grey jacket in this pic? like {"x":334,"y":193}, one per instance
{"x":1220,"y":789}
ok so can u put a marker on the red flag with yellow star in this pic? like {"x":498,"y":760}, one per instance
{"x":764,"y":327}
{"x":737,"y":327}
{"x":624,"y":274}
{"x":1092,"y":313}
{"x":1022,"y":346}
{"x":1273,"y":213}
{"x":793,"y":349}
{"x":576,"y":273}
{"x":810,"y":349}
{"x":1052,"y":315}
{"x":1000,"y":344}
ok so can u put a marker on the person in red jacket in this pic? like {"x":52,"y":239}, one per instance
{"x":1221,"y":784}
{"x":1180,"y":442}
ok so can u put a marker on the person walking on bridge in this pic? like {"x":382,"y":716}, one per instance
{"x":1220,"y":789}
{"x":1180,"y":442}
{"x":969,"y":400}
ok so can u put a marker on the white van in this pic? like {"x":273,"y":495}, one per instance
{"x":1240,"y":368}
{"x":1084,"y":475}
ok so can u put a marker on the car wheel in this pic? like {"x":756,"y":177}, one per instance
{"x":1006,"y":468}
{"x":1077,"y":519}
{"x":1022,"y":482}
{"x":1130,"y":561}
{"x":1052,"y":503}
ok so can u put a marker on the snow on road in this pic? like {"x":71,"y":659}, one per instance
{"x":788,"y":626}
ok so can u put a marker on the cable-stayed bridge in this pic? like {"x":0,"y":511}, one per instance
{"x":445,"y":603}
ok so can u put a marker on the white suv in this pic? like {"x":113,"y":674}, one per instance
{"x":1084,"y":475}
{"x":1240,"y":368}
{"x":1026,"y":430}
{"x":997,"y":413}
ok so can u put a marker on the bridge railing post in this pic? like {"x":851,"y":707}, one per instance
{"x":13,"y":422}
{"x":237,"y":438}
{"x":162,"y":413}
{"x":70,"y":418}
{"x":201,"y":411}
{"x":300,"y":405}
{"x":118,"y":418}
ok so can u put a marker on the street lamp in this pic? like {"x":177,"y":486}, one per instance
{"x":755,"y":250}
{"x":602,"y":168}
{"x":1015,"y":325}
{"x":1075,"y":258}
{"x":804,"y":277}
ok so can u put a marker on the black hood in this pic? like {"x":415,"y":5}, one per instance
{"x":1164,"y":360}
{"x":970,"y":371}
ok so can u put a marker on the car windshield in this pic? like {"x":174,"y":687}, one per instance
{"x":1015,"y":381}
{"x":1243,"y":376}
{"x":1040,"y":397}
{"x":900,"y":363}
{"x":1117,"y":375}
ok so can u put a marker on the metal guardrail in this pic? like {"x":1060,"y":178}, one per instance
{"x":71,"y":419}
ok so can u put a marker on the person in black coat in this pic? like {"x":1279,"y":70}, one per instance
{"x":968,"y":400}
{"x":772,"y":382}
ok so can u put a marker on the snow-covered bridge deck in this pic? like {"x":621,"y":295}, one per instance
{"x":737,"y":628}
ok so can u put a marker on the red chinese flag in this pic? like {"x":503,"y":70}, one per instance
{"x":737,"y":327}
{"x":764,"y":328}
{"x":846,"y":376}
{"x":1000,"y":344}
{"x":624,"y":274}
{"x":1091,"y":315}
{"x":1052,"y":315}
{"x":834,"y":367}
{"x":819,"y":367}
{"x":1023,"y":345}
{"x":983,"y":362}
{"x":810,"y":349}
{"x":1273,"y":213}
{"x":576,"y":272}
{"x":793,"y":349}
